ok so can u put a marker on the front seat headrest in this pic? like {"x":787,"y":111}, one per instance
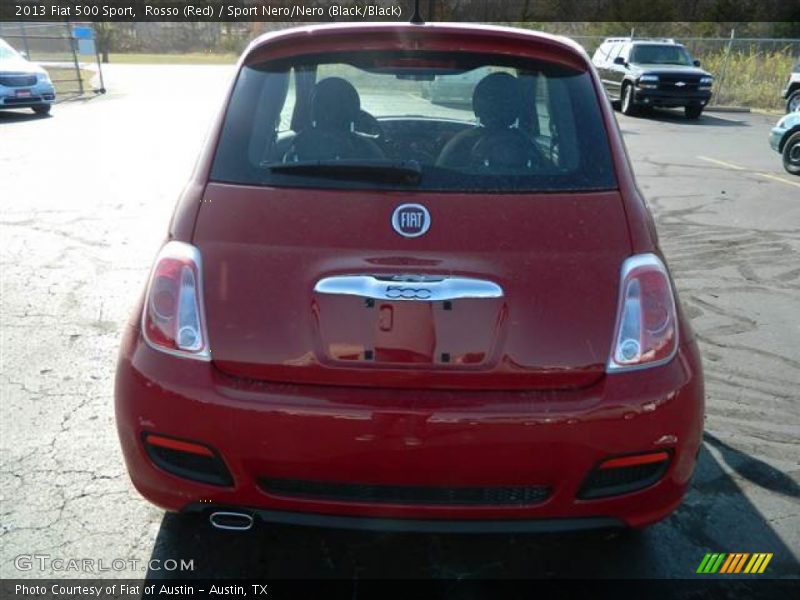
{"x":498,"y":100}
{"x":335,"y":104}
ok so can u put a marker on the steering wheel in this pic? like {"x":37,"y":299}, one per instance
{"x":506,"y":150}
{"x":368,"y":125}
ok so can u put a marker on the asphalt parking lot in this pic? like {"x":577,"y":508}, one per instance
{"x":85,"y":197}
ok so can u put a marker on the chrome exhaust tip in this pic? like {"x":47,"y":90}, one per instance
{"x":231,"y":521}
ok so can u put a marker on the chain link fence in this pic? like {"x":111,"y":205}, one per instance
{"x":748,"y":72}
{"x":55,"y":47}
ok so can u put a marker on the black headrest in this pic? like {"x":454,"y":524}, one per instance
{"x":498,"y":100}
{"x":335,"y":104}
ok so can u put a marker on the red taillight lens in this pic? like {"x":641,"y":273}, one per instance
{"x":634,"y":460}
{"x":173,"y":319}
{"x":179,"y":445}
{"x":647,"y":330}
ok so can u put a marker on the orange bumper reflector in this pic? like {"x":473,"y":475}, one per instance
{"x":173,"y":444}
{"x":633,"y":461}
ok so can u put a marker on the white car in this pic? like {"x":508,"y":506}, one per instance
{"x":454,"y":89}
{"x":22,"y":83}
{"x":785,"y":139}
{"x":792,"y":91}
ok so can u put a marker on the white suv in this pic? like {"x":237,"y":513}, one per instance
{"x":792,"y":91}
{"x":22,"y":83}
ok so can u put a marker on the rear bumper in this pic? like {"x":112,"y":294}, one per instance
{"x":410,"y":438}
{"x":646,"y":97}
{"x":443,"y":526}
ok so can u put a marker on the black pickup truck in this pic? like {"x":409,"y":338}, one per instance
{"x":652,"y":73}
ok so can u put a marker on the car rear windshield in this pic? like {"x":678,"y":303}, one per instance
{"x":456,"y":122}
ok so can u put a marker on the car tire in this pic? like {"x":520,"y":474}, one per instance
{"x":793,"y":101}
{"x":44,"y":109}
{"x":693,"y":111}
{"x":626,"y":103}
{"x":791,"y":154}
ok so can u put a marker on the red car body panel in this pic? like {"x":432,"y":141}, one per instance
{"x":543,"y":333}
{"x":424,"y":437}
{"x":525,"y":399}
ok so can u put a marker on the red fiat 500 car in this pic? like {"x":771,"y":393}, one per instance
{"x":376,"y":311}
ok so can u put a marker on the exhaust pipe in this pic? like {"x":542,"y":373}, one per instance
{"x":231,"y":521}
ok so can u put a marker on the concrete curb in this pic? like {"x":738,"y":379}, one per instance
{"x":729,"y":109}
{"x":770,"y":112}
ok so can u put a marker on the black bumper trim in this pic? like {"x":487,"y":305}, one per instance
{"x":403,"y":494}
{"x":661,"y":98}
{"x":28,"y":103}
{"x":383,"y":524}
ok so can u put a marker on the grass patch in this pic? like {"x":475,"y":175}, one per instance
{"x":191,"y":58}
{"x":752,"y":78}
{"x":66,"y":82}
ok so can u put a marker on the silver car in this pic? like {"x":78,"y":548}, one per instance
{"x":454,"y":89}
{"x":785,"y":138}
{"x":22,"y":83}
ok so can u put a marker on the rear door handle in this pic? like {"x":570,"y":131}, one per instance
{"x":410,"y":288}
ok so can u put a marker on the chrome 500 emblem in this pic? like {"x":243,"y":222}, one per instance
{"x":411,"y":220}
{"x":399,"y":292}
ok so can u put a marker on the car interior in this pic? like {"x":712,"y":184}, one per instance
{"x":509,"y":123}
{"x":495,"y":135}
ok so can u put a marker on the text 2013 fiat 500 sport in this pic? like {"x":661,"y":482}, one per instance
{"x":376,"y":311}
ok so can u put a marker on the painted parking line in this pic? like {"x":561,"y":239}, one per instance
{"x":781,"y":179}
{"x":722,"y":163}
{"x":733,"y":167}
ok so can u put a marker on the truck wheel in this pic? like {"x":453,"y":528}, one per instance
{"x":793,"y":102}
{"x":627,"y":105}
{"x":693,"y":111}
{"x":791,"y":154}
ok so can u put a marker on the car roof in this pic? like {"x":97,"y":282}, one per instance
{"x":467,"y":28}
{"x":395,"y":34}
{"x":648,"y":41}
{"x":655,"y":43}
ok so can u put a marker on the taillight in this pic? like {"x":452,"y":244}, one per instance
{"x":646,"y":334}
{"x":173,"y":319}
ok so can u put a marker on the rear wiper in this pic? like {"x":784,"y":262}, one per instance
{"x":407,"y":171}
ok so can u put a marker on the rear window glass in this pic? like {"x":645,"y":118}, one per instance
{"x":454,"y":122}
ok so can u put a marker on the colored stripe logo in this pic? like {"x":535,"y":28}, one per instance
{"x":737,"y":562}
